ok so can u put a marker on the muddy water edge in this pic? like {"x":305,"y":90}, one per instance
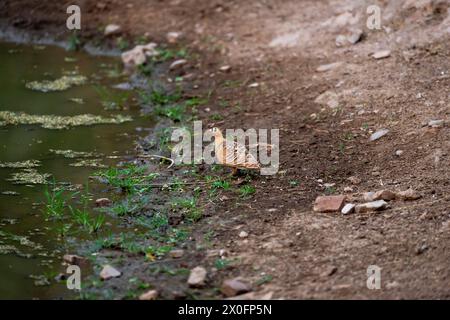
{"x":57,"y":160}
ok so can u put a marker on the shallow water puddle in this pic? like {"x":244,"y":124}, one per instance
{"x":53,"y":125}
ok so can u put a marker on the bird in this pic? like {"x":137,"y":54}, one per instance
{"x":232,"y":154}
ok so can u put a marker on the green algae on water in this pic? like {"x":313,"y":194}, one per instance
{"x":59,"y":122}
{"x":29,"y":176}
{"x":21,"y":164}
{"x":71,"y":154}
{"x":90,"y":163}
{"x":61,"y":84}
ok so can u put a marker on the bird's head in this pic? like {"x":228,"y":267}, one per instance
{"x":216,"y":132}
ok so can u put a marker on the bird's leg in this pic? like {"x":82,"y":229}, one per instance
{"x":234,"y":172}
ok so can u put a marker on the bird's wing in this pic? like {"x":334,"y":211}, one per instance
{"x":238,"y":156}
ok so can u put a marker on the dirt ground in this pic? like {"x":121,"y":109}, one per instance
{"x":280,"y":45}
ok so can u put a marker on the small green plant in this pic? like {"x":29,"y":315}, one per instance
{"x":176,"y":112}
{"x":293,"y":183}
{"x":246,"y":191}
{"x":73,"y":43}
{"x":122,"y":43}
{"x":264,"y":279}
{"x":216,"y":117}
{"x":55,"y":202}
{"x":222,"y":263}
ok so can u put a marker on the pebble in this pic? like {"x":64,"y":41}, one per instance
{"x":176,"y":253}
{"x":377,"y":135}
{"x":254,"y":85}
{"x":177,"y":64}
{"x":225,"y":68}
{"x":149,"y":295}
{"x":382,"y":54}
{"x":355,"y":36}
{"x":408,"y":195}
{"x":354,"y":180}
{"x":243,"y":234}
{"x":173,"y":37}
{"x":233,"y":287}
{"x":348,"y":208}
{"x":386,"y":195}
{"x":371,"y":206}
{"x":103,"y":202}
{"x":197,"y":277}
{"x":109,"y":272}
{"x":74,"y":259}
{"x":329,"y":203}
{"x":348,"y":189}
{"x":436,"y":123}
{"x":328,"y":67}
{"x":398,"y":153}
{"x":112,"y":29}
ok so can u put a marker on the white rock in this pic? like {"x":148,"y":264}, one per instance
{"x":355,"y":36}
{"x":243,"y":234}
{"x":348,"y":208}
{"x":371,"y":206}
{"x":177,"y":64}
{"x":328,"y":67}
{"x":111,"y":29}
{"x":377,"y":135}
{"x":254,"y":85}
{"x":436,"y":123}
{"x":381,"y":54}
{"x":225,"y":68}
{"x":109,"y":272}
{"x":138,"y":55}
{"x":398,"y":153}
{"x":329,"y":98}
{"x":197,"y":277}
{"x":172,"y":37}
{"x":341,"y":40}
{"x":149,"y":295}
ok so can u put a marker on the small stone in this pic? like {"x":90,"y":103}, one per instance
{"x":422,"y":248}
{"x":377,"y":135}
{"x":112,"y":29}
{"x":341,"y":40}
{"x":381,"y":54}
{"x":355,"y":36}
{"x":328,"y":67}
{"x":371,"y":206}
{"x":197,"y":277}
{"x":74,"y":259}
{"x":177,"y":64}
{"x":348,"y":189}
{"x":173,"y":37}
{"x":109,"y":272}
{"x":103,"y":202}
{"x":225,"y":68}
{"x":243,"y":234}
{"x":348,"y":208}
{"x":254,"y":85}
{"x":408,"y":195}
{"x":149,"y":295}
{"x":233,"y":287}
{"x":329,"y":271}
{"x":329,"y":203}
{"x":368,"y":196}
{"x":329,"y":98}
{"x":354,"y":180}
{"x":176,"y":253}
{"x":398,"y":153}
{"x":436,"y":123}
{"x":384,"y":195}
